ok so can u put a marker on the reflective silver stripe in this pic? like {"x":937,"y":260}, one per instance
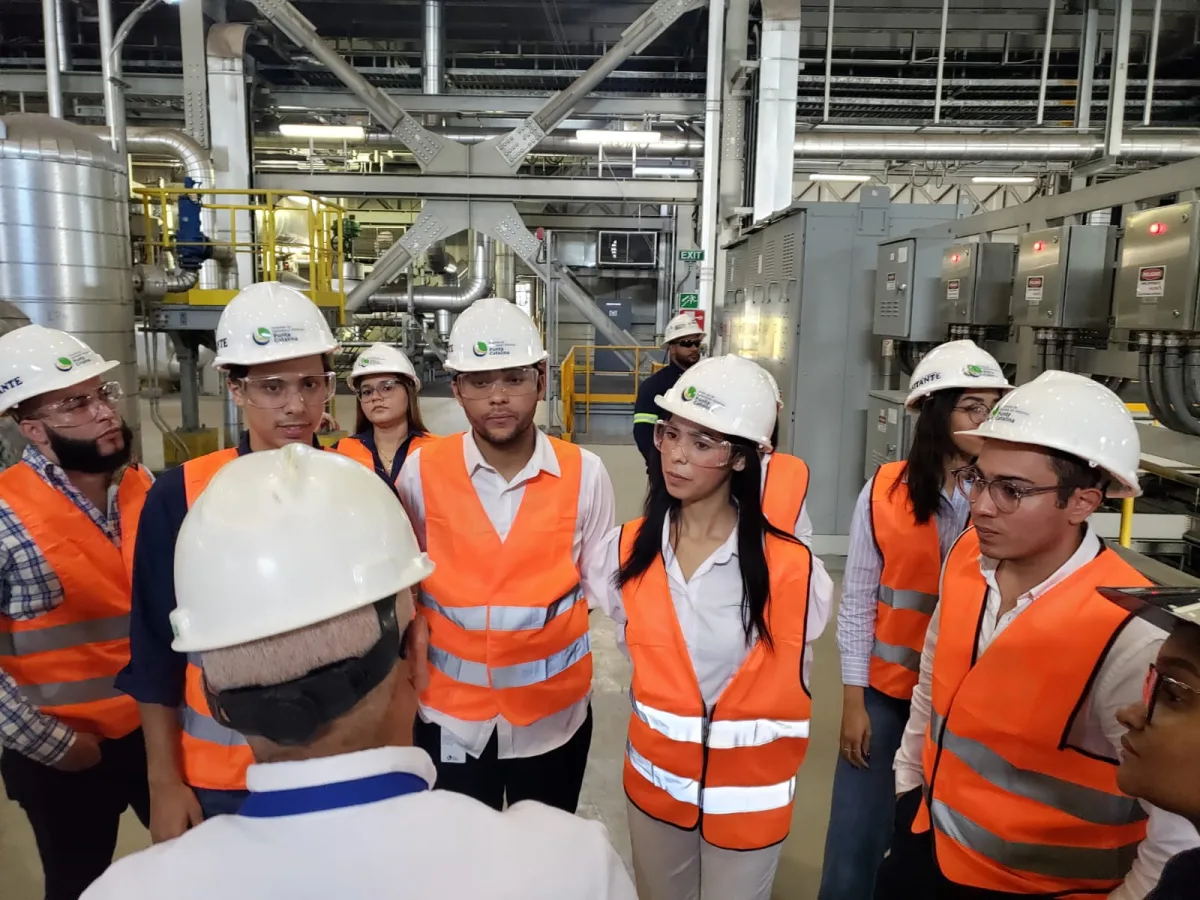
{"x":1084,"y":803}
{"x":63,"y":637}
{"x":69,"y":693}
{"x":1051,"y":861}
{"x":504,"y":618}
{"x":717,"y":801}
{"x":901,"y":656}
{"x":206,"y":728}
{"x":519,"y":675}
{"x":686,"y":729}
{"x":915,"y":600}
{"x":685,"y":790}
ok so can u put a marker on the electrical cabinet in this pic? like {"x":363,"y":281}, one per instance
{"x":1064,"y":277}
{"x":908,"y":290}
{"x":889,"y":429}
{"x":977,"y":283}
{"x":1157,"y":281}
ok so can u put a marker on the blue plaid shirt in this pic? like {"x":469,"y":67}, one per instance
{"x":29,"y":588}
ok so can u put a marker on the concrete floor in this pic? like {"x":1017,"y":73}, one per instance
{"x":603,"y":798}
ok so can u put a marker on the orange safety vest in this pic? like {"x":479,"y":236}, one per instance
{"x":508,"y":620}
{"x":65,"y":661}
{"x":908,"y":586}
{"x":1013,"y":807}
{"x":731,"y":770}
{"x":357,"y":450}
{"x":785,"y":490}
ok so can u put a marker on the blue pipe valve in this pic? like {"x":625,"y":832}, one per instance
{"x":191,"y":244}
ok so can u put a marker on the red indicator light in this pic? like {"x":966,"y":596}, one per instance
{"x":954,"y":257}
{"x":1039,"y":246}
{"x":1158,"y":228}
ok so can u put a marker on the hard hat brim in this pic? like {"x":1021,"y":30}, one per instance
{"x":60,"y":382}
{"x":703,"y":417}
{"x":489,"y":365}
{"x":282,"y":354}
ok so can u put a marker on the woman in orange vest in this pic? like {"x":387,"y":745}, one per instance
{"x":907,"y":518}
{"x":717,"y":609}
{"x":388,"y":424}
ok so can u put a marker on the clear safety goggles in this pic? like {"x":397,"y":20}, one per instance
{"x":82,"y":408}
{"x":274,"y":391}
{"x":695,"y":447}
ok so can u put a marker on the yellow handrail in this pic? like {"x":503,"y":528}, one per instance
{"x":573,"y":366}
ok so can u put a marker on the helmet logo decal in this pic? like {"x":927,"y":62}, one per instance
{"x":279,"y":334}
{"x":689,"y":393}
{"x":701,"y":399}
{"x":262,"y":336}
{"x":480,"y":349}
{"x":977,"y":371}
{"x":64,"y":364}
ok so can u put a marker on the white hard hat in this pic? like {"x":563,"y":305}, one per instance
{"x":284,"y":539}
{"x":683,"y":325}
{"x":35,"y":360}
{"x":270,"y":322}
{"x":728,"y":394}
{"x":955,"y":364}
{"x":382,"y":359}
{"x":1074,"y":414}
{"x":493,"y":334}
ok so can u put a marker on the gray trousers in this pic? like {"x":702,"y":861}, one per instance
{"x":672,"y":864}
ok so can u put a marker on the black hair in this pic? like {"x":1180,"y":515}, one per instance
{"x":752,"y":526}
{"x":775,"y":435}
{"x":932,"y":447}
{"x":1075,"y":474}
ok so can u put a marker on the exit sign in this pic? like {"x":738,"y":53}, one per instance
{"x":689,"y":301}
{"x":691,"y":256}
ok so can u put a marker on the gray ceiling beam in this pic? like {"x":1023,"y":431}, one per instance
{"x":495,"y":103}
{"x":642,"y":190}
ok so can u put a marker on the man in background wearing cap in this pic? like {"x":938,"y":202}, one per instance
{"x":682,"y":338}
{"x":1010,"y":752}
{"x":294,"y":571}
{"x":273,"y":345}
{"x":73,"y":754}
{"x":515,"y":523}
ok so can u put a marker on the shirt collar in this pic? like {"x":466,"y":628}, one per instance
{"x":1088,"y":549}
{"x":543,"y":459}
{"x":283,"y":776}
{"x":243,"y":446}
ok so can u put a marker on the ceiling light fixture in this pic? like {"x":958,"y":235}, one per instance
{"x":839,"y":176}
{"x":664,"y":171}
{"x":1003,"y":179}
{"x":323,"y":132}
{"x":607,"y":137}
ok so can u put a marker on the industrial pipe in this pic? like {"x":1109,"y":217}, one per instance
{"x":50,"y":35}
{"x":1158,"y":390}
{"x":63,"y":36}
{"x":114,"y":98}
{"x":1152,"y":62}
{"x":941,"y":63}
{"x":1172,"y":375}
{"x":733,"y":114}
{"x":432,"y":66}
{"x":712,"y":149}
{"x":450,"y":299}
{"x":1041,"y":104}
{"x":1147,"y":381}
{"x":1191,"y":371}
{"x":828,"y":61}
{"x":1125,"y":535}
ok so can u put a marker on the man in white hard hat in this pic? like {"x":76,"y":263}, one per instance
{"x":1009,"y":759}
{"x":514,"y":521}
{"x":73,"y":755}
{"x":682,"y":339}
{"x":273,"y":345}
{"x":293,"y":577}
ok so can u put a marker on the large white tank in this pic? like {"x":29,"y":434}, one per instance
{"x":64,"y":238}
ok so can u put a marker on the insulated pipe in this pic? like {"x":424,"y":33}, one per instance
{"x":733,"y":115}
{"x":828,"y":60}
{"x":63,"y":32}
{"x":941,"y":64}
{"x":712,"y":149}
{"x":1152,"y":62}
{"x":1172,"y":375}
{"x":1041,"y":105}
{"x":50,"y":34}
{"x":450,"y":299}
{"x":432,"y":69}
{"x":114,"y":98}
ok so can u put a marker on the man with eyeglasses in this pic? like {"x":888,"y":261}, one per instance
{"x":73,"y":754}
{"x":682,"y":339}
{"x":273,"y":345}
{"x":1007,"y":772}
{"x":514,"y":522}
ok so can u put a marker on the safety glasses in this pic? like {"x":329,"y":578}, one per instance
{"x":696,"y":447}
{"x":83,"y":408}
{"x":1165,"y":689}
{"x":274,"y":391}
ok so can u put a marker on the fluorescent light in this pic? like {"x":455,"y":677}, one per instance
{"x":839,"y":176}
{"x":1003,"y":179}
{"x":323,"y":132}
{"x":606,"y":136}
{"x":664,"y":171}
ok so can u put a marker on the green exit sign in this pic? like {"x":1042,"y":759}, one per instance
{"x":689,"y":301}
{"x":691,"y":256}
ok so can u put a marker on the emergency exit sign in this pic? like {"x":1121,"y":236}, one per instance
{"x":691,"y":256}
{"x":689,"y":301}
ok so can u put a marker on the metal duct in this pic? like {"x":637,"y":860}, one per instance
{"x":450,"y":299}
{"x":552,"y":145}
{"x":1047,"y":147}
{"x":64,"y":226}
{"x":432,"y":67}
{"x":50,"y":37}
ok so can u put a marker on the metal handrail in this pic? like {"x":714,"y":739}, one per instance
{"x":572,"y":366}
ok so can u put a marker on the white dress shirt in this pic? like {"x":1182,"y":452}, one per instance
{"x":709,"y":609}
{"x":501,"y":499}
{"x":1096,"y":730}
{"x":420,"y":845}
{"x":864,"y":570}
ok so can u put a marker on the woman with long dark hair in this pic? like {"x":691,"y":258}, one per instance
{"x":388,"y":424}
{"x":717,"y":607}
{"x":907,"y":518}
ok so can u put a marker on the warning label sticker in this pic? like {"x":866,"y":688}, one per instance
{"x":952,"y":289}
{"x":1033,"y":289}
{"x":1152,"y":281}
{"x":891,"y":281}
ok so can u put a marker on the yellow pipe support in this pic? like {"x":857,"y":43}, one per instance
{"x":1125,"y":536}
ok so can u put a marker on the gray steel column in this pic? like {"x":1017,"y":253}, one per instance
{"x":433,"y":70}
{"x":828,"y":61}
{"x":1041,"y":106}
{"x":709,"y":193}
{"x":506,"y":272}
{"x":189,"y":384}
{"x":63,"y":30}
{"x":54,"y":97}
{"x":733,"y":115}
{"x":1114,"y":129}
{"x":1087,"y":65}
{"x":195,"y":74}
{"x":230,"y":133}
{"x":1152,"y":62}
{"x":231,"y":428}
{"x":941,"y":64}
